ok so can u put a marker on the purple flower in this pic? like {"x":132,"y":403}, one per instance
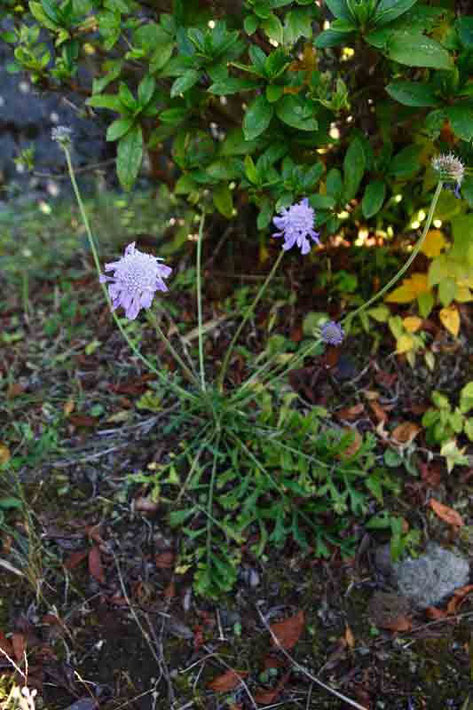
{"x":136,"y":279}
{"x":296,"y":224}
{"x":332,"y":333}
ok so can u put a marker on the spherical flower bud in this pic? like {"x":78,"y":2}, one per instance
{"x":296,"y":225}
{"x":449,"y":168}
{"x":136,"y":279}
{"x":61,"y":135}
{"x":332,"y":333}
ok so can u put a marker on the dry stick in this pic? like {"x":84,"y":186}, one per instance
{"x":303,"y":670}
{"x":10,"y":660}
{"x":229,"y":668}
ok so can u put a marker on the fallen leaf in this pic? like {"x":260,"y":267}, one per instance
{"x":271,"y":660}
{"x":432,"y":612}
{"x":6,"y":645}
{"x":450,"y":319}
{"x":5,"y":454}
{"x":83,"y":420}
{"x":95,"y":565}
{"x":145,"y":504}
{"x":165,"y":560}
{"x":19,"y":646}
{"x":458,"y":598}
{"x":400,"y":623}
{"x":349,"y":638}
{"x":433,"y":243}
{"x":69,"y":407}
{"x":412,"y":323}
{"x":354,"y":446}
{"x":405,"y":433}
{"x":227,"y":681}
{"x":378,"y":411}
{"x":448,"y":515}
{"x":351,"y":413}
{"x":430,"y":473}
{"x":288,"y":631}
{"x":170,"y":591}
{"x":268,"y":696}
{"x":75,"y":559}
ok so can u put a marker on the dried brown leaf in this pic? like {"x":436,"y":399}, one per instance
{"x":227,"y":681}
{"x":289,"y":631}
{"x":165,"y":560}
{"x":19,"y":646}
{"x":405,"y":433}
{"x":458,"y":598}
{"x":75,"y":559}
{"x":448,"y":515}
{"x":95,"y":565}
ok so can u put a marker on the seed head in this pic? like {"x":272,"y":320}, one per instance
{"x":136,"y":279}
{"x":332,"y":333}
{"x":61,"y":135}
{"x":296,"y":225}
{"x":449,"y":168}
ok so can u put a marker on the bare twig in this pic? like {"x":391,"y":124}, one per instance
{"x":229,"y":668}
{"x":303,"y":670}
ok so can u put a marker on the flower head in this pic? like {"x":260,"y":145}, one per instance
{"x":449,"y":168}
{"x":62,"y":135}
{"x":332,"y":333}
{"x":136,"y":279}
{"x":296,"y":224}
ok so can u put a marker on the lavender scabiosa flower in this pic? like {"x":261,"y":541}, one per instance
{"x":450,"y":169}
{"x":332,"y":333}
{"x":61,"y":135}
{"x":296,"y":224}
{"x":136,"y":279}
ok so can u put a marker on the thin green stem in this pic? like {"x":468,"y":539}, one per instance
{"x":249,"y":312}
{"x":310,"y":348}
{"x":179,"y":390}
{"x":159,"y":332}
{"x":211,"y":500}
{"x":199,"y":303}
{"x":406,"y":265}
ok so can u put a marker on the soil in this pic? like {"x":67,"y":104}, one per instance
{"x":107,"y":615}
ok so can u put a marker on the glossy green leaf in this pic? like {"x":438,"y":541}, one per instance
{"x":232,"y":85}
{"x":373,"y":198}
{"x":222,"y":199}
{"x":461,"y":119}
{"x":257,"y":117}
{"x":297,"y":113}
{"x":119,"y":128}
{"x":417,"y":50}
{"x":353,"y":169}
{"x":412,"y":93}
{"x":389,"y":10}
{"x":129,"y":157}
{"x":185,"y":82}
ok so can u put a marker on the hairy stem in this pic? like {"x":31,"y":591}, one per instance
{"x":179,"y":390}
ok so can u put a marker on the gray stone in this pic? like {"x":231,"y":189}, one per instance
{"x":428,"y":579}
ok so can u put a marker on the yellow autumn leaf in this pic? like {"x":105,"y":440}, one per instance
{"x":404,"y":343}
{"x":4,"y":454}
{"x":463,"y":294}
{"x":450,"y":319}
{"x":410,"y":289}
{"x":434,"y":243}
{"x":412,"y":323}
